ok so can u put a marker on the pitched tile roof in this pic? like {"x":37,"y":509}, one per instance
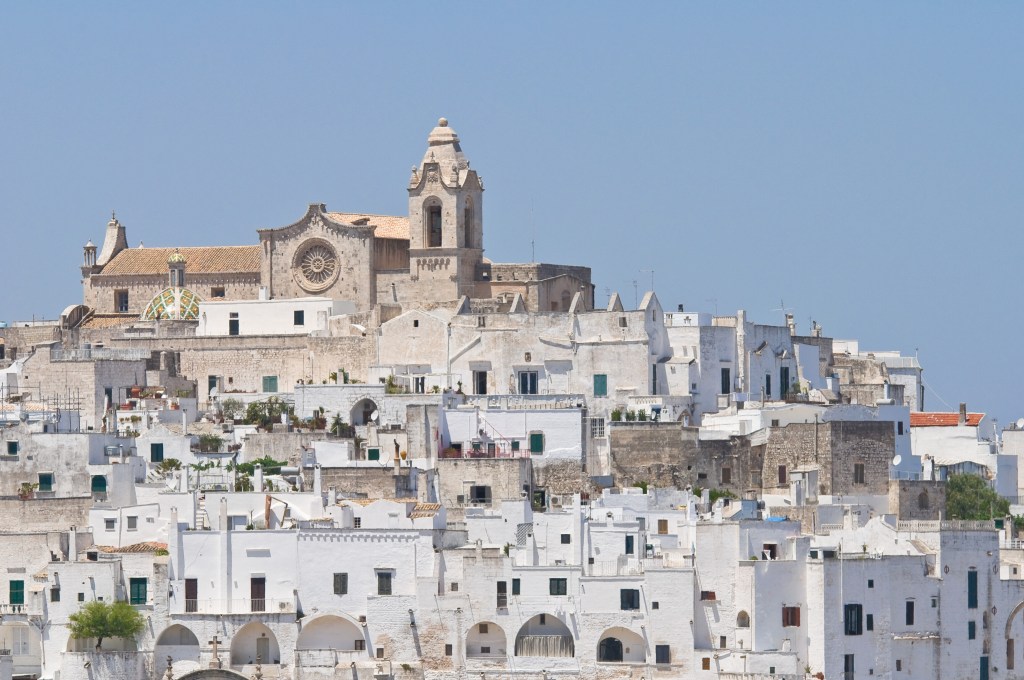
{"x":147,"y":547}
{"x":388,"y":226}
{"x":201,"y":260}
{"x":109,"y":320}
{"x":920,"y":419}
{"x":424,"y":510}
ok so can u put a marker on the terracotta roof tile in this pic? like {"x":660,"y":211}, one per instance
{"x":920,"y":419}
{"x":109,"y":320}
{"x":201,"y":260}
{"x":147,"y":547}
{"x":388,"y":226}
{"x":424,"y":510}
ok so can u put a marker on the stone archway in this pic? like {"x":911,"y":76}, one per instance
{"x":329,"y":631}
{"x":545,"y":635}
{"x":362,"y":410}
{"x":619,"y":645}
{"x":179,"y":644}
{"x":253,"y":640}
{"x":486,"y":639}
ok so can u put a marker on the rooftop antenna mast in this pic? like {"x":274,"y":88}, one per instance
{"x":651,"y":272}
{"x":784,"y":309}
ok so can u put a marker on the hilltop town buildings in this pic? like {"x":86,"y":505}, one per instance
{"x":360,"y":448}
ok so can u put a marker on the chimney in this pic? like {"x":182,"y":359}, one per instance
{"x":962,"y":420}
{"x":72,"y":544}
{"x":790,"y":323}
{"x":257,"y":478}
{"x":317,"y":481}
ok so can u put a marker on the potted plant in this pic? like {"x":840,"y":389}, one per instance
{"x":27,"y":490}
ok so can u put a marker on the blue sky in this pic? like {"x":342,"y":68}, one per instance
{"x":862,"y":162}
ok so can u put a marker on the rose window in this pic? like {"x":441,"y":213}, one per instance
{"x":318,"y":264}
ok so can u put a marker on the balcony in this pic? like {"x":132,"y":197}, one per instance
{"x":236,"y":606}
{"x":20,"y":610}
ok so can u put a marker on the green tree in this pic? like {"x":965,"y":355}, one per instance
{"x":265,"y":413}
{"x":232,"y":408}
{"x":970,"y":497}
{"x":101,"y":620}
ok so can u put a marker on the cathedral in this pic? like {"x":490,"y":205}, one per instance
{"x":434,"y":255}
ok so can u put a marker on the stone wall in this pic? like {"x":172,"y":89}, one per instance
{"x":668,"y":454}
{"x":922,"y":499}
{"x":46,"y":514}
{"x":836,"y":448}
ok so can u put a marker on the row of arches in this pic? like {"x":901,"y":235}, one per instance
{"x":548,"y":636}
{"x":251,"y":642}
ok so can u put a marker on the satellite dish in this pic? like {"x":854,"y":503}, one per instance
{"x":374,"y":416}
{"x":1020,"y":423}
{"x":897,"y":460}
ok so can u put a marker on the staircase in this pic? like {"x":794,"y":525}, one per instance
{"x":202,"y":519}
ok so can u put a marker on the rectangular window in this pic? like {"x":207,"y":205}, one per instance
{"x":359,"y":645}
{"x":54,"y":594}
{"x":726,"y":382}
{"x":853,"y":619}
{"x":480,"y":382}
{"x":972,"y":589}
{"x":479,"y":494}
{"x":662,"y":526}
{"x":447,"y":650}
{"x":341,"y":584}
{"x":110,"y":524}
{"x":708,"y":595}
{"x":768,"y":385}
{"x":217,"y":292}
{"x":373,"y":453}
{"x":536,"y":442}
{"x":357,"y":522}
{"x":191,"y":595}
{"x":515,"y":586}
{"x":726,"y":475}
{"x":871,"y":583}
{"x":600,"y":385}
{"x":527,"y":382}
{"x":137,"y":590}
{"x":419,"y":385}
{"x":791,"y":617}
{"x":899,"y":427}
{"x":909,"y":611}
{"x":17,"y":592}
{"x":12,"y":448}
{"x":858,"y":473}
{"x":46,"y":481}
{"x":662,"y":654}
{"x":869,"y":621}
{"x":502,"y":593}
{"x":233,"y":323}
{"x":121,"y":301}
{"x":899,"y":665}
{"x":782,"y":475}
{"x":380,"y":652}
{"x":299,"y":317}
{"x":133,"y":523}
{"x":972,"y":630}
{"x":848,"y":665}
{"x":384,"y":582}
{"x":597,"y":429}
{"x":705,"y":663}
{"x":156,"y":452}
{"x":629,"y":545}
{"x":558,"y":586}
{"x":566,"y":539}
{"x":270,"y":383}
{"x":629,"y":599}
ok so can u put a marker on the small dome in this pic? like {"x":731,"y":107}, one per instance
{"x":173,"y":303}
{"x":176,"y":257}
{"x":90,"y":244}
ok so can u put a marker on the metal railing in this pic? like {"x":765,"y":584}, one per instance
{"x":239,"y":606}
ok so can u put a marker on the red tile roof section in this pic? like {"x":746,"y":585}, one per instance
{"x":920,"y":419}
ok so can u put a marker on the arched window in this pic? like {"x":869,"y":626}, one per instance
{"x":610,"y":650}
{"x":743,"y":620}
{"x":467,"y":224}
{"x":432,"y":223}
{"x":922,"y":501}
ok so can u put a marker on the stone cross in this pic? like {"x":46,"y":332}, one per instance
{"x":258,"y":675}
{"x":215,"y":661}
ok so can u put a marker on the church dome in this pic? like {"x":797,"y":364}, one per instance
{"x":173,"y":303}
{"x":176,"y":257}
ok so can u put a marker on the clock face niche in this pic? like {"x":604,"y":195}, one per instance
{"x":315,"y":266}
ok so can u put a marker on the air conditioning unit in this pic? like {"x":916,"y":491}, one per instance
{"x":556,"y":500}
{"x":460,"y":499}
{"x":283,"y":606}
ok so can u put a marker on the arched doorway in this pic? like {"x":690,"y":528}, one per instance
{"x":254,"y":640}
{"x":486,"y":639}
{"x":330,"y":632}
{"x":362,"y":411}
{"x":545,"y":635}
{"x":181,"y":645}
{"x":621,"y":645}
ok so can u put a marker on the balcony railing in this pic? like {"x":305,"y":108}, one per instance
{"x":19,"y":610}
{"x":239,"y":606}
{"x":327,"y":658}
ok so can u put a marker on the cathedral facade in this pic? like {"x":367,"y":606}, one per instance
{"x":434,"y":255}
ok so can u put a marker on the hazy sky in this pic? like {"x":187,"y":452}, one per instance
{"x":862,"y":162}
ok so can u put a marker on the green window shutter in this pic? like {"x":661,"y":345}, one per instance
{"x":156,"y":452}
{"x":341,"y":584}
{"x":137,"y":591}
{"x":536,"y":442}
{"x":515,"y":586}
{"x":99,"y":484}
{"x":515,"y":444}
{"x":600,"y":385}
{"x":17,"y":592}
{"x":45,"y":481}
{"x":270,"y":383}
{"x":12,"y":448}
{"x":373,"y":453}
